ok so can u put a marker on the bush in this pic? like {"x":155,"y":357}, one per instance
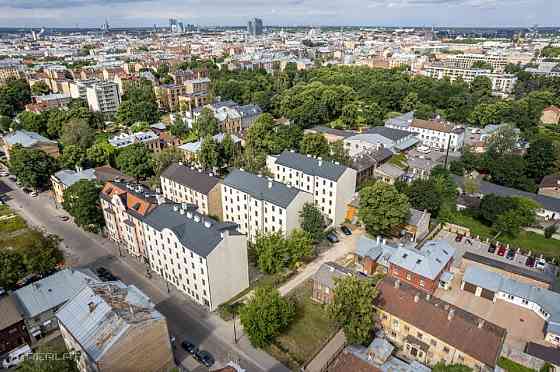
{"x":550,"y":230}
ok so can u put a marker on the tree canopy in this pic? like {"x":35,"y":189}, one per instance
{"x":135,"y":161}
{"x":138,"y":104}
{"x":382,"y":208}
{"x":81,"y":200}
{"x":32,"y":167}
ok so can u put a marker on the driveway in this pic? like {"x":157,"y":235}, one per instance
{"x":344,"y":247}
{"x":186,"y":320}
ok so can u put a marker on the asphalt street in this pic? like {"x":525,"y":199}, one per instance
{"x":186,"y":320}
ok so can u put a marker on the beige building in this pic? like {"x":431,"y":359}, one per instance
{"x":551,"y":115}
{"x":430,"y":330}
{"x":183,"y":184}
{"x":332,"y":185}
{"x":103,"y":97}
{"x":260,"y":205}
{"x":501,"y":83}
{"x":10,"y":70}
{"x":115,"y":328}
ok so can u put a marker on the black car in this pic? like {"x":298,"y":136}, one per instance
{"x":492,"y":248}
{"x":510,"y":255}
{"x":105,"y":275}
{"x":205,"y":358}
{"x":189,"y":347}
{"x":346,"y":230}
{"x":26,"y":190}
{"x":331,"y":237}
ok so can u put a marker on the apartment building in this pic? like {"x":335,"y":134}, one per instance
{"x":10,"y":69}
{"x":183,"y":184}
{"x":425,"y":268}
{"x":430,"y":330}
{"x":186,"y":96}
{"x":103,"y":97}
{"x":124,"y":206}
{"x":438,"y":135}
{"x":148,"y":139}
{"x":115,"y":328}
{"x":78,"y":88}
{"x":466,"y":61}
{"x":261,"y":205}
{"x":203,"y":258}
{"x":501,"y":83}
{"x":332,"y":185}
{"x":232,"y":117}
{"x":47,"y":101}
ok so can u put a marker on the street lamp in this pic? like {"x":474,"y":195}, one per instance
{"x":234,"y":329}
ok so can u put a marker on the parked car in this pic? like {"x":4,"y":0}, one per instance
{"x":16,"y":356}
{"x":26,"y":190}
{"x":510,"y":254}
{"x":502,"y":250}
{"x":492,"y":248}
{"x":63,"y":218}
{"x":34,"y":194}
{"x":205,"y":358}
{"x":458,"y":238}
{"x":530,"y":262}
{"x":540,"y":264}
{"x":345,"y":230}
{"x":331,"y":237}
{"x":4,"y":174}
{"x":189,"y":347}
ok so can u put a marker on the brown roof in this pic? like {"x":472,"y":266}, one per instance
{"x":346,"y":361}
{"x":433,"y":125}
{"x":9,"y":311}
{"x":550,"y":181}
{"x":553,"y":109}
{"x":132,"y":201}
{"x":107,"y":173}
{"x":465,"y":331}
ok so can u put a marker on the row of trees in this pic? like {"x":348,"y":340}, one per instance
{"x":274,"y":253}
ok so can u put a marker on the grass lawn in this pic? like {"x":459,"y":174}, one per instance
{"x":22,"y":240}
{"x":9,"y":225}
{"x":526,"y":240}
{"x":511,"y":366}
{"x":308,"y":333}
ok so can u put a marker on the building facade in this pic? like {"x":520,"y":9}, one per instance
{"x":103,"y":97}
{"x":332,"y":185}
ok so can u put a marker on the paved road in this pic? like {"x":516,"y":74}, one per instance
{"x":186,"y":320}
{"x":345,"y":246}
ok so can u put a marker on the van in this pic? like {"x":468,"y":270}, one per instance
{"x":16,"y":356}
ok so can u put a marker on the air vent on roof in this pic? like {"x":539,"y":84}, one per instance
{"x":182,"y":211}
{"x":207,"y":224}
{"x":196,"y":218}
{"x":189,"y":214}
{"x":405,"y":255}
{"x":419,"y":261}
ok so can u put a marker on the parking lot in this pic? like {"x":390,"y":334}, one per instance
{"x":481,"y":249}
{"x":522,"y":325}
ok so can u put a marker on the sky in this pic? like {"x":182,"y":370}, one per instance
{"x":126,"y":13}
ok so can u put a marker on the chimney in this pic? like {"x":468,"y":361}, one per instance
{"x":480,"y":323}
{"x":416,"y":297}
{"x":428,"y":296}
{"x":397,"y":283}
{"x":91,"y":306}
{"x":378,"y":239}
{"x":269,"y":184}
{"x":384,"y":241}
{"x":196,"y":218}
{"x":182,"y":211}
{"x":450,"y":314}
{"x":207,"y":224}
{"x":189,"y":214}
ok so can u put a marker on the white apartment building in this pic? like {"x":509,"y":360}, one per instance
{"x":203,"y":258}
{"x":465,"y":61}
{"x":78,"y":88}
{"x":103,"y":97}
{"x":260,"y":205}
{"x":435,"y":134}
{"x":183,"y":184}
{"x":148,"y":138}
{"x":501,"y":83}
{"x":331,"y":184}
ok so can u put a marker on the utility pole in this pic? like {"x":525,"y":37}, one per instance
{"x":447,"y":152}
{"x":234,"y":329}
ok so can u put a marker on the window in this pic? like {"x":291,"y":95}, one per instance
{"x":446,"y":350}
{"x":433,"y":343}
{"x":419,"y":335}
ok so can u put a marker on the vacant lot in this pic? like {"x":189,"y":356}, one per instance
{"x":307,"y":334}
{"x":9,"y":221}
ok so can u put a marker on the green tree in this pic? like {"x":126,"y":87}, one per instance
{"x":81,"y":200}
{"x":205,"y":124}
{"x":509,"y":223}
{"x":270,"y":252}
{"x":41,"y":254}
{"x":483,"y":65}
{"x":503,"y":141}
{"x":339,"y":153}
{"x":352,"y":308}
{"x":14,"y":95}
{"x":139,"y":104}
{"x":77,"y":132}
{"x":5,"y":123}
{"x":265,"y":316}
{"x":228,"y":150}
{"x":382,"y":208}
{"x":165,"y":158}
{"x":32,"y":122}
{"x":423,"y":195}
{"x":135,"y":161}
{"x":424,"y":111}
{"x":40,"y":88}
{"x":178,"y":128}
{"x":208,"y":155}
{"x":315,"y":144}
{"x":410,"y":102}
{"x":33,"y":168}
{"x":72,"y":156}
{"x":492,"y":205}
{"x":299,"y":246}
{"x":101,"y":153}
{"x":312,"y":221}
{"x":12,"y":268}
{"x":140,"y":126}
{"x":541,"y":158}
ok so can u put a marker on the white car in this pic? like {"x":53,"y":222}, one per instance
{"x":34,"y":194}
{"x":4,"y":174}
{"x":16,"y":356}
{"x":540,"y":264}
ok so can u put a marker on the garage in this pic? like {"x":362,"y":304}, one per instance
{"x":487,"y":294}
{"x":469,"y":287}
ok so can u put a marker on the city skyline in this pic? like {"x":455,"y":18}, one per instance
{"x":129,"y":13}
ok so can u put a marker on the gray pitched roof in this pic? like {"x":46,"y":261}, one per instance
{"x":328,"y":272}
{"x":428,"y":262}
{"x":101,"y":314}
{"x":262,"y":188}
{"x":312,"y":166}
{"x":69,"y":177}
{"x":25,"y":138}
{"x":198,"y":233}
{"x":52,"y":291}
{"x":390,"y":133}
{"x":548,"y":203}
{"x":190,"y":178}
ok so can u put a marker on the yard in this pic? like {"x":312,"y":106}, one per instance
{"x":511,"y":366}
{"x":307,"y":334}
{"x":9,"y":221}
{"x":526,"y":240}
